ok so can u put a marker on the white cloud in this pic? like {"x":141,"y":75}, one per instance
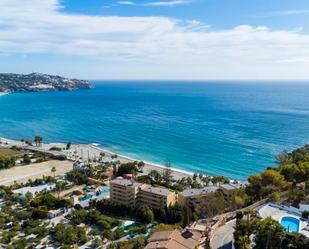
{"x":290,"y":12}
{"x":125,"y":3}
{"x":171,"y":3}
{"x":150,"y":46}
{"x":284,"y":13}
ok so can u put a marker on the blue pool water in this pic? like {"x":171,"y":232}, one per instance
{"x":290,"y":223}
{"x":103,"y":192}
{"x":218,"y":128}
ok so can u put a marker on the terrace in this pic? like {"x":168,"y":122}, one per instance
{"x":288,"y":217}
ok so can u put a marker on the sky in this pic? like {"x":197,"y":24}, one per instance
{"x":157,"y":39}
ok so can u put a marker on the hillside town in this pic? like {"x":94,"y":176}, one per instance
{"x":80,"y":196}
{"x":38,"y":82}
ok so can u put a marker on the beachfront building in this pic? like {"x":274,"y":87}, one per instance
{"x":156,"y":197}
{"x":124,"y":191}
{"x":193,"y":197}
{"x":130,"y":192}
{"x":174,"y":239}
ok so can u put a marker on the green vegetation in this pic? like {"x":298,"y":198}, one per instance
{"x":38,"y":139}
{"x":6,"y":162}
{"x":10,"y":152}
{"x":49,"y":201}
{"x":291,"y":179}
{"x":127,"y":168}
{"x":77,"y":177}
{"x":292,"y":170}
{"x":8,"y":156}
{"x":138,"y":243}
{"x":69,"y":235}
{"x":143,"y":213}
{"x":268,"y":234}
{"x":93,"y":217}
{"x":55,"y":148}
{"x":165,"y":227}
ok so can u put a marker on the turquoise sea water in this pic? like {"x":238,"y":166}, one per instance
{"x":216,"y":128}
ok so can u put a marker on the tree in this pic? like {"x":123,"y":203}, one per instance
{"x":127,"y":168}
{"x":167,"y":174}
{"x":38,"y":140}
{"x":145,"y":214}
{"x":53,"y":170}
{"x":39,"y":212}
{"x":155,"y":176}
{"x":102,"y":154}
{"x":140,"y":166}
{"x":211,"y":205}
{"x":6,"y":162}
{"x":274,"y":197}
{"x":260,"y":186}
{"x":295,"y":241}
{"x":68,"y":146}
{"x":269,"y":235}
{"x":119,"y":232}
{"x":26,"y":159}
{"x":107,"y":234}
{"x":96,"y":243}
{"x":305,"y":214}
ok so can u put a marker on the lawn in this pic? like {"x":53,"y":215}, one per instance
{"x":10,"y":152}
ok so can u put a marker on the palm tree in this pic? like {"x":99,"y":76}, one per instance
{"x":38,"y":140}
{"x":53,"y":170}
{"x":102,"y":154}
{"x":68,"y":145}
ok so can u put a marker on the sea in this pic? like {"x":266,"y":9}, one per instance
{"x":233,"y":129}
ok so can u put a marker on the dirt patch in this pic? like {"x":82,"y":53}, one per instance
{"x":21,"y":174}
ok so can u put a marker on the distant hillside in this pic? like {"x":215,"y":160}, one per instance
{"x":36,"y":82}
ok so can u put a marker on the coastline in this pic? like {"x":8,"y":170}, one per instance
{"x":93,"y":150}
{"x":4,"y":93}
{"x":147,"y":163}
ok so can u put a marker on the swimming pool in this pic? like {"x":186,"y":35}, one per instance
{"x":290,"y":223}
{"x":104,"y":192}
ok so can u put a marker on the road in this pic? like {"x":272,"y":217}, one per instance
{"x":223,"y":238}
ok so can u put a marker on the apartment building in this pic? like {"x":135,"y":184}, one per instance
{"x":131,"y":192}
{"x":193,"y":197}
{"x":124,"y":191}
{"x":156,"y":197}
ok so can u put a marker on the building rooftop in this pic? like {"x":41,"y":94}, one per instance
{"x":155,"y":190}
{"x":197,"y":191}
{"x":173,"y":240}
{"x":34,"y":190}
{"x":125,"y":182}
{"x":231,"y":186}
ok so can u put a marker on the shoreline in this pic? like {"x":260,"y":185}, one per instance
{"x":93,"y":150}
{"x":161,"y":166}
{"x":4,"y":93}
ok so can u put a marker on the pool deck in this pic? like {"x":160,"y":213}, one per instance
{"x":276,"y":213}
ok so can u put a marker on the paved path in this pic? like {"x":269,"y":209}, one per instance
{"x":223,"y":238}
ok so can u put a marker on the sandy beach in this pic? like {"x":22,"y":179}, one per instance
{"x":92,"y":151}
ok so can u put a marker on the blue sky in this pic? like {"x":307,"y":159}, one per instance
{"x":217,"y":13}
{"x":157,"y":39}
